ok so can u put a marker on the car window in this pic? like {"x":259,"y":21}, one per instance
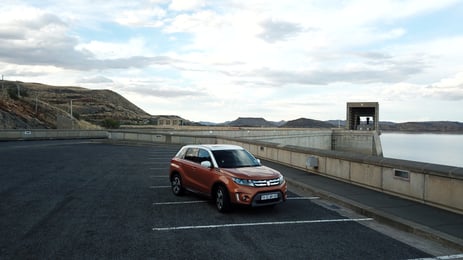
{"x":191,"y":154}
{"x":181,"y":153}
{"x":203,"y":155}
{"x":234,"y":158}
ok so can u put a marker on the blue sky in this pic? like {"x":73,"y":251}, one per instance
{"x":219,"y":60}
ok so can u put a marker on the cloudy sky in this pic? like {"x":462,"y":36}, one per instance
{"x":219,"y":60}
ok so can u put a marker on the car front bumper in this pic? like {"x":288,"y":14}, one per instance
{"x":260,"y":197}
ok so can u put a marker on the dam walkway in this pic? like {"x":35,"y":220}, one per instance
{"x":434,"y":223}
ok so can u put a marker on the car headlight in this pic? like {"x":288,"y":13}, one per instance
{"x":243,"y":182}
{"x":281,"y":179}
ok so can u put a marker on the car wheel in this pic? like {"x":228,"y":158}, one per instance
{"x":222,"y":200}
{"x":176,"y":183}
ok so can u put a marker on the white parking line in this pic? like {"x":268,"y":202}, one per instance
{"x":180,"y":202}
{"x":154,"y":162}
{"x":159,"y":187}
{"x":303,"y":198}
{"x":261,"y":224}
{"x":459,"y":256}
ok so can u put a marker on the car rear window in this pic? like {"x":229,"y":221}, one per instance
{"x":234,"y":158}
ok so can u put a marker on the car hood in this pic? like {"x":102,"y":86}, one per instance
{"x":256,"y":173}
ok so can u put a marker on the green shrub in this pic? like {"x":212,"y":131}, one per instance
{"x":110,"y":123}
{"x":13,"y":93}
{"x":76,"y":115}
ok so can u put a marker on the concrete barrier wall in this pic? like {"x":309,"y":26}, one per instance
{"x":316,"y":139}
{"x":138,"y":136}
{"x":365,"y":142}
{"x":41,"y":134}
{"x":444,"y":191}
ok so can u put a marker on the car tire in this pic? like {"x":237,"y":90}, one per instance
{"x":176,"y":184}
{"x":222,"y":199}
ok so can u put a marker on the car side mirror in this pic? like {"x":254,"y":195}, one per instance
{"x":206,"y":164}
{"x":258,"y":161}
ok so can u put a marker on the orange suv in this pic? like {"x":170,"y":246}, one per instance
{"x":228,"y":174}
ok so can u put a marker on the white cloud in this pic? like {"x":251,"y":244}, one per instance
{"x":111,"y":50}
{"x":182,"y":5}
{"x":276,"y":59}
{"x":142,"y":17}
{"x":278,"y":30}
{"x":361,"y":12}
{"x":199,"y":22}
{"x":95,"y":80}
{"x":447,"y":89}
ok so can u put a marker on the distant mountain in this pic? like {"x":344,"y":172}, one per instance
{"x":261,"y":122}
{"x":432,"y":126}
{"x":307,"y":123}
{"x":251,"y":122}
{"x":206,"y":123}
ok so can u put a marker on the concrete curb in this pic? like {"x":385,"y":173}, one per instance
{"x":383,"y":217}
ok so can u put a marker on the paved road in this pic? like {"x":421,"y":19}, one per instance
{"x":86,"y":200}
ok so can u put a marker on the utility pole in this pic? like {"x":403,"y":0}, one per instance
{"x":72,"y":120}
{"x":19,"y":90}
{"x":1,"y":94}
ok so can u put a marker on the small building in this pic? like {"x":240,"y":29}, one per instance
{"x":166,"y":120}
{"x":362,"y":116}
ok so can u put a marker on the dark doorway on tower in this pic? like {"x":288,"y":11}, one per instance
{"x":362,"y":116}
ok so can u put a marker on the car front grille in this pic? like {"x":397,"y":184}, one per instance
{"x":266,"y":183}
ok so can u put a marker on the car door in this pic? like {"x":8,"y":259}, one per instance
{"x":189,"y":167}
{"x":205,"y":176}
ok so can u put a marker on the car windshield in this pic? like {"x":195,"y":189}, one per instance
{"x":235,"y":159}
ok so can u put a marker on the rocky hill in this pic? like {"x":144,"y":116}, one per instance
{"x":307,"y":123}
{"x":34,"y":105}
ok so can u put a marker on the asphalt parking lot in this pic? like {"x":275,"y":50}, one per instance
{"x":91,"y":200}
